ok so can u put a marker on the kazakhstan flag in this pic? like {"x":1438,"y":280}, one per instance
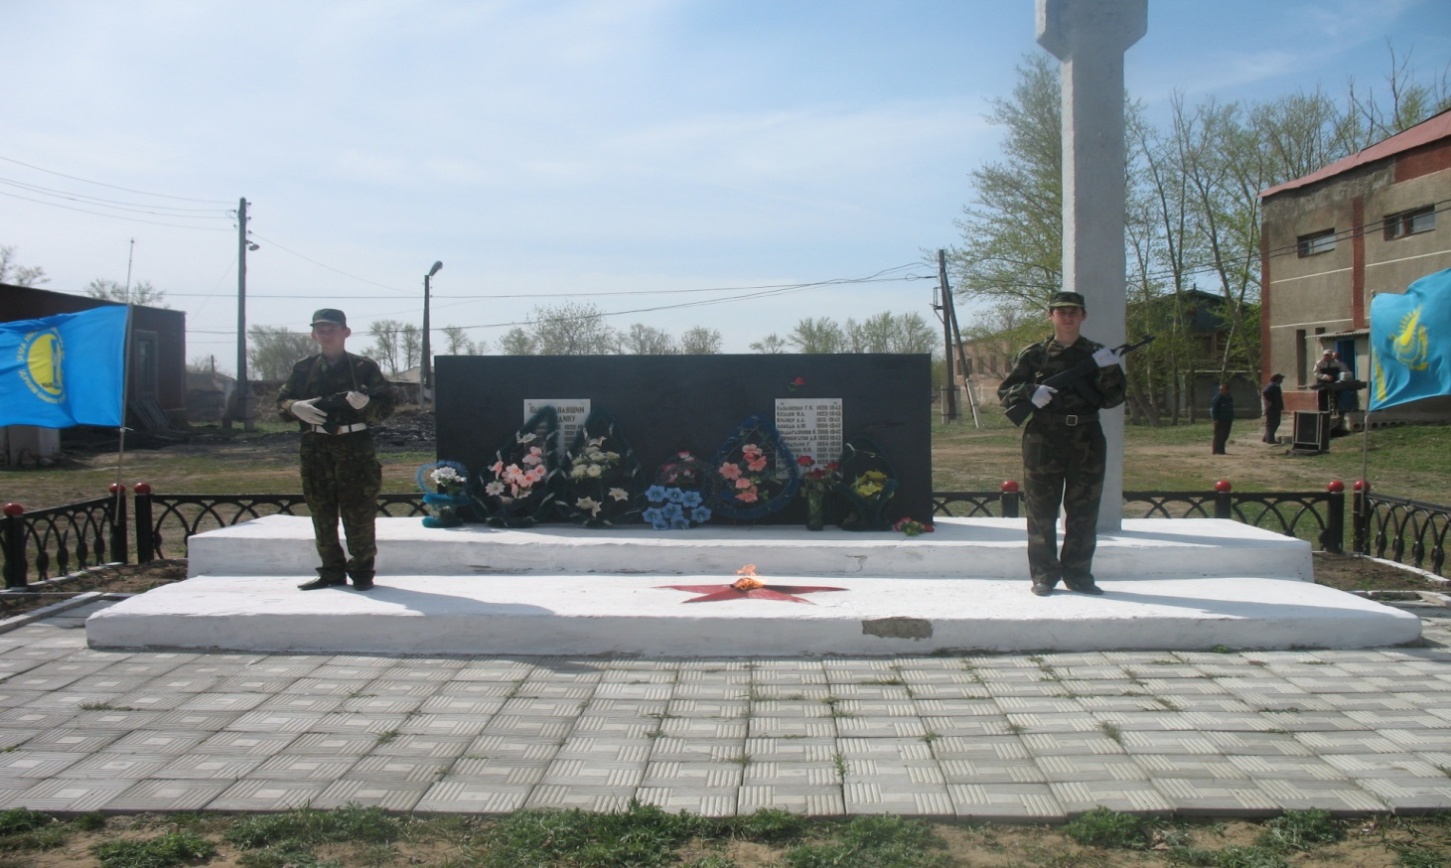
{"x":1411,"y":337}
{"x":64,"y":370}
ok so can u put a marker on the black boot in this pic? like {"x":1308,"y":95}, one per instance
{"x":321,"y":582}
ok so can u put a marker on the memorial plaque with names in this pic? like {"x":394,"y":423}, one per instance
{"x":572,"y":415}
{"x":811,"y":427}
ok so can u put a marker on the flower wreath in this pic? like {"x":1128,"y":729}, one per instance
{"x":598,"y":485}
{"x":518,"y":489}
{"x":867,"y":484}
{"x":753,"y":474}
{"x":678,"y":498}
{"x":442,"y":477}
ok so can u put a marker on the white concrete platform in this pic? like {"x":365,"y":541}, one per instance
{"x":987,"y":548}
{"x":1171,"y":585}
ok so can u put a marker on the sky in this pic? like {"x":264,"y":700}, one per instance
{"x":734,"y":164}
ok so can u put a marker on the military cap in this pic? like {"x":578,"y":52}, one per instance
{"x":331,"y":315}
{"x":1066,"y":299}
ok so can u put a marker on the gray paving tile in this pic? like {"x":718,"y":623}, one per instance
{"x":268,"y":795}
{"x":1129,"y":796}
{"x":609,"y":800}
{"x":1288,"y":768}
{"x":704,"y":803}
{"x":262,"y":744}
{"x":991,"y":770}
{"x":1339,"y":797}
{"x":498,"y":746}
{"x":75,"y":795}
{"x":613,"y":774}
{"x":118,"y":766}
{"x":396,"y":796}
{"x":25,"y":763}
{"x":1008,"y":803}
{"x":226,"y":769}
{"x":1388,"y":766}
{"x":871,"y":797}
{"x":1411,"y":796}
{"x":303,"y":767}
{"x":168,"y":795}
{"x":810,"y":801}
{"x":1105,"y":768}
{"x":798,"y":773}
{"x":791,"y":750}
{"x":1216,"y":797}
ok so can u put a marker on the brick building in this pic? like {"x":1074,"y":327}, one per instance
{"x":1367,"y":224}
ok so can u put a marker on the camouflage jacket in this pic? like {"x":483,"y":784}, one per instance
{"x":1046,"y":358}
{"x":314,"y":378}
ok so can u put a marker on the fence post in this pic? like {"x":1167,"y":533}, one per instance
{"x":1332,"y":539}
{"x":14,"y":541}
{"x":1223,"y":506}
{"x":145,"y":543}
{"x":119,"y":543}
{"x":1011,"y":498}
{"x":1360,"y":517}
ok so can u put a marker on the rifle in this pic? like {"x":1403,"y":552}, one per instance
{"x":1019,"y":411}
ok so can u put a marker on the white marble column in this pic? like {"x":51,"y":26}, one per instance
{"x":1090,"y":38}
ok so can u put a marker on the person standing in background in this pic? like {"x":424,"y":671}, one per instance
{"x":1221,"y":412}
{"x":1274,"y":400}
{"x":335,"y":397}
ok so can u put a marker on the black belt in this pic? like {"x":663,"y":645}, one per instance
{"x":1069,"y":419}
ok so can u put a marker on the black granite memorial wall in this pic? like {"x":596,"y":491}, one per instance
{"x":665,"y":404}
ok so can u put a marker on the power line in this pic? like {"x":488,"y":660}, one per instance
{"x":113,"y":186}
{"x":111,"y":216}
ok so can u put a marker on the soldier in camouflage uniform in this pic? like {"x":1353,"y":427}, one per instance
{"x":335,"y":396}
{"x":1064,"y":453}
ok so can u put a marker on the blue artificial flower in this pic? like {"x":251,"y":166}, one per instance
{"x":675,"y":494}
{"x":700,"y":514}
{"x":679,"y":522}
{"x":656,"y":494}
{"x":690,"y":498}
{"x":656,"y":518}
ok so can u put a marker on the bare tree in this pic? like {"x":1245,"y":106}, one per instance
{"x":771,"y":344}
{"x":386,"y":334}
{"x":459,"y":343}
{"x":643,"y":340}
{"x":142,"y":292}
{"x":573,"y":329}
{"x":19,"y":275}
{"x":700,"y":341}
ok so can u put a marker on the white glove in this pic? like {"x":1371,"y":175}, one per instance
{"x":1042,"y":395}
{"x":308,"y":412}
{"x":1106,"y":357}
{"x":358,"y":400}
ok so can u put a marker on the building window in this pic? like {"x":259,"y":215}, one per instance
{"x":1316,"y":242}
{"x":1410,"y":222}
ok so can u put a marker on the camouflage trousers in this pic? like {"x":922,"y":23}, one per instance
{"x":341,"y":478}
{"x":1063,"y":466}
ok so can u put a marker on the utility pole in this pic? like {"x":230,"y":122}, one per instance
{"x":949,"y":396}
{"x":242,"y":387}
{"x":425,"y":372}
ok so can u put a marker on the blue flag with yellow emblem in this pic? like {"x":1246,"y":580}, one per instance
{"x":1411,"y":336}
{"x":64,"y":370}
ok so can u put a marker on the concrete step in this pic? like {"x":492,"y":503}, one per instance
{"x":1170,"y":585}
{"x":960,"y":548}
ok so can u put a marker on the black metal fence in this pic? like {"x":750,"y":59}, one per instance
{"x":53,"y":542}
{"x":1402,"y":530}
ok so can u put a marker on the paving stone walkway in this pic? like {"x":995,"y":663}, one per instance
{"x":996,"y":737}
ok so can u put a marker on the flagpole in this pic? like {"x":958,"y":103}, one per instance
{"x":125,"y":391}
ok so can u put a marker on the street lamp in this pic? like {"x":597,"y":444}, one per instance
{"x":425,"y":379}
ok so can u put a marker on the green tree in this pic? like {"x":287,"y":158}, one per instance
{"x":140,"y":293}
{"x":817,"y":336}
{"x":700,"y":341}
{"x":1012,"y":238}
{"x":889,"y":333}
{"x":410,"y":346}
{"x":272,"y":351}
{"x":19,"y":275}
{"x":517,"y":342}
